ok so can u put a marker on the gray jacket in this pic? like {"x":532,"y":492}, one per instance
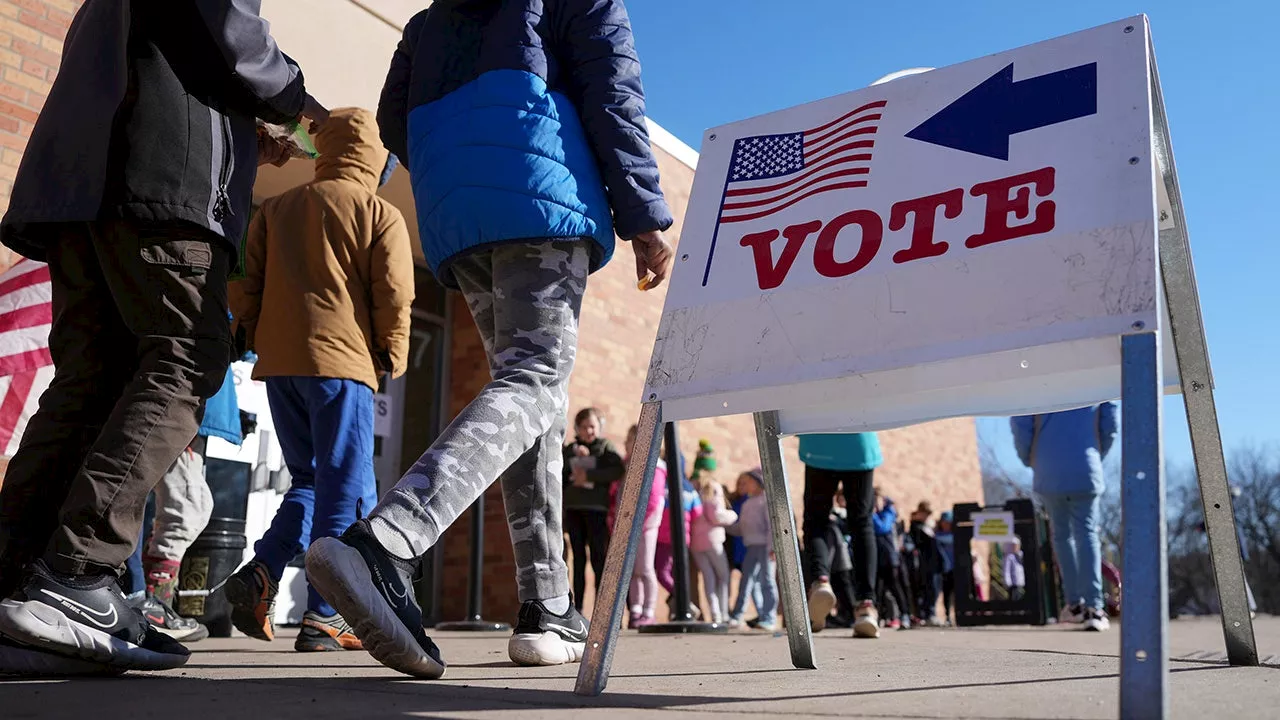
{"x":151,"y":118}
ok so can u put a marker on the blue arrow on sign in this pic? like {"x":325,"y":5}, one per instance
{"x":981,"y":120}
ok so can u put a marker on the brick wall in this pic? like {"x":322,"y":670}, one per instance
{"x":31,"y":33}
{"x":938,"y":461}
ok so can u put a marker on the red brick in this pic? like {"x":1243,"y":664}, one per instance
{"x":45,"y":25}
{"x":35,"y":52}
{"x":35,"y":100}
{"x":13,"y":92}
{"x":31,"y":67}
{"x":33,"y":6}
{"x":8,"y":124}
{"x":60,"y":17}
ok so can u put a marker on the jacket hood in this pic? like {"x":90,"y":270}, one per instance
{"x":350,"y":148}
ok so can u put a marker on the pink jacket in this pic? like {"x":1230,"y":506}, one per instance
{"x":708,"y":527}
{"x":657,"y":499}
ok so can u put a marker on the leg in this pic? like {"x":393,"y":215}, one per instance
{"x":720,"y":562}
{"x":94,"y":356}
{"x":170,"y":287}
{"x":948,"y":592}
{"x":598,"y":543}
{"x":664,"y":561}
{"x":705,"y":567}
{"x":341,"y":422}
{"x":1085,"y":511}
{"x":648,"y":575}
{"x":1064,"y":547}
{"x":859,"y":498}
{"x":785,"y":544}
{"x":819,"y":492}
{"x":768,"y":590}
{"x":535,"y":294}
{"x":746,"y":585}
{"x":184,"y":505}
{"x":290,"y":531}
{"x":575,"y":525}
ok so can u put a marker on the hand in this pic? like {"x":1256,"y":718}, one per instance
{"x":581,"y":450}
{"x":653,"y":255}
{"x":319,"y":114}
{"x":271,"y":152}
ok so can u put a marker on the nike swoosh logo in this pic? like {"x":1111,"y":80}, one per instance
{"x":580,"y":630}
{"x":87,"y":612}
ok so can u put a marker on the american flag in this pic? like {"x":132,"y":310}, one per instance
{"x":26,"y":313}
{"x":770,"y":173}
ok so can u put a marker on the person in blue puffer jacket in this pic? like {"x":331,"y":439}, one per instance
{"x":522,"y":125}
{"x":1065,"y":451}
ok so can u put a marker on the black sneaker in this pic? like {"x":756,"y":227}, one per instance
{"x":373,"y":591}
{"x":544,"y":638}
{"x":87,"y":618}
{"x":163,"y":618}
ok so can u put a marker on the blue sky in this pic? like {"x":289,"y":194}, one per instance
{"x":707,"y":63}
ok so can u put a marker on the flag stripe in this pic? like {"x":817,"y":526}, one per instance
{"x":770,"y":200}
{"x":11,"y":407}
{"x":861,"y":157}
{"x":842,"y":118}
{"x":26,"y":317}
{"x":855,"y":145}
{"x":26,"y":279}
{"x":816,"y":148}
{"x":793,"y":201}
{"x":831,"y":137}
{"x":20,"y":362}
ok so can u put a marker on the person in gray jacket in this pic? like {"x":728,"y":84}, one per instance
{"x":135,"y":189}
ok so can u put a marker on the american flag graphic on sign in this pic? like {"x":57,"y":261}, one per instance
{"x":770,"y":173}
{"x":26,"y":314}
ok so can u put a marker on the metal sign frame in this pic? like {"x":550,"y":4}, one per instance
{"x":1144,"y":661}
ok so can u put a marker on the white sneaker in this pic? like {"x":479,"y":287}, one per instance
{"x":821,"y":600}
{"x":1072,"y":614}
{"x":866,"y":622}
{"x":1096,"y":620}
{"x":543,"y":638}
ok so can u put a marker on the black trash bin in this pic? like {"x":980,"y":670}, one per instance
{"x":219,"y":550}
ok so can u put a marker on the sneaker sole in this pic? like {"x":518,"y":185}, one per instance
{"x":866,"y":628}
{"x":821,"y":601}
{"x":36,"y":624}
{"x":244,"y":617}
{"x":541,"y":649}
{"x":338,"y":572}
{"x":195,"y":635}
{"x":30,"y":662}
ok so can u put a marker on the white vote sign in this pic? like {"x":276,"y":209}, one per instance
{"x":970,"y":240}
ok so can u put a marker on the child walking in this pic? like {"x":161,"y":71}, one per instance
{"x":758,"y":571}
{"x":707,"y":543}
{"x":644,"y":578}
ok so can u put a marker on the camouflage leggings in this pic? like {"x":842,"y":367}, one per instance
{"x":525,"y":299}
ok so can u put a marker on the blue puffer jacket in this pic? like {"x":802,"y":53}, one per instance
{"x":848,"y":451}
{"x":521,"y":120}
{"x":1065,"y":449}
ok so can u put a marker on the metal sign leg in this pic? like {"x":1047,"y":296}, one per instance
{"x":786,"y":544}
{"x":1192,"y":352}
{"x":1144,"y":630}
{"x":611,"y":600}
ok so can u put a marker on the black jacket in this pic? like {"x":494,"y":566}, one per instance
{"x":608,"y":469}
{"x":151,"y":118}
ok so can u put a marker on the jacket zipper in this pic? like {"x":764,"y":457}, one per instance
{"x":222,"y":208}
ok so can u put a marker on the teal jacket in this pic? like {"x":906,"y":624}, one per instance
{"x":841,"y":451}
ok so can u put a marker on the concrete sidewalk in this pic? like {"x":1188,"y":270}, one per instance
{"x":931,"y":673}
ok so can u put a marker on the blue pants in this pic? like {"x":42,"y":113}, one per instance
{"x":325,"y":428}
{"x":1074,"y":521}
{"x":759,"y":583}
